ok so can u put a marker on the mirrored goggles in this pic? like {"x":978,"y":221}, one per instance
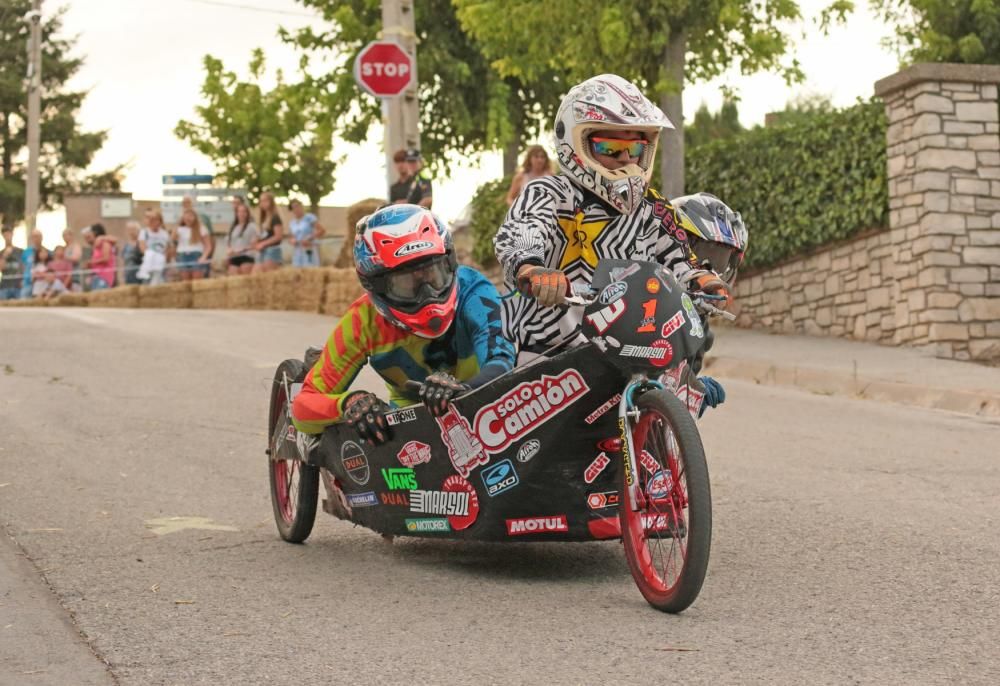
{"x":407,"y":284}
{"x":614,"y":146}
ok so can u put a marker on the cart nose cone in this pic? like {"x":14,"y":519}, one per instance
{"x":610,"y":445}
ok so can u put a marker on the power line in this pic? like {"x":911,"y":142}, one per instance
{"x":252,"y":8}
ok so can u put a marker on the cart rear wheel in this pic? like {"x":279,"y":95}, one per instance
{"x":668,"y":539}
{"x":294,"y":484}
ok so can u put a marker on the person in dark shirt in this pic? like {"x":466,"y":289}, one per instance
{"x":11,"y":267}
{"x":413,"y":186}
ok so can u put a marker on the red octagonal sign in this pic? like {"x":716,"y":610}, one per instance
{"x":383,"y":69}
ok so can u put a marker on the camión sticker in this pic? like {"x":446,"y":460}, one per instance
{"x":526,"y":407}
{"x":355,"y":463}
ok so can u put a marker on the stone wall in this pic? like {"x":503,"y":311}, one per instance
{"x":932,"y":278}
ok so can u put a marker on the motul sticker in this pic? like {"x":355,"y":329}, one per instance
{"x":414,"y":453}
{"x":596,"y":467}
{"x":603,"y":409}
{"x":672,"y":324}
{"x":526,"y":407}
{"x":537,"y":525}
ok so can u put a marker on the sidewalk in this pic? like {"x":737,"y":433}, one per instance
{"x":862,"y":370}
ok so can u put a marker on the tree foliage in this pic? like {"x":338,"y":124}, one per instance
{"x":65,"y":150}
{"x":258,"y":139}
{"x":466,"y":106}
{"x":707,"y":126}
{"x":966,"y":31}
{"x":659,"y":44}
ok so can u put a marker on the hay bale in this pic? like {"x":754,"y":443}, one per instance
{"x":238,"y":292}
{"x":209,"y":294}
{"x":311,"y":289}
{"x":122,"y":296}
{"x":278,"y":289}
{"x":342,"y":289}
{"x":65,"y":300}
{"x":173,"y":296}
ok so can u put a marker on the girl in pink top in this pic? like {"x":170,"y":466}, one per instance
{"x":102,"y":261}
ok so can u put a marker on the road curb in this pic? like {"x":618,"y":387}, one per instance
{"x":980,"y":403}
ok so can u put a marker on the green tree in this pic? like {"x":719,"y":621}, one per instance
{"x":65,"y":150}
{"x":801,"y":108}
{"x":466,"y":107}
{"x":965,"y":31}
{"x":711,"y":127}
{"x":276,"y":140}
{"x":659,"y":44}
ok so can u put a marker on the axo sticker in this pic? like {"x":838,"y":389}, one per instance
{"x":355,"y":463}
{"x":526,"y":407}
{"x":362,"y":499}
{"x":537,"y":525}
{"x":456,"y":484}
{"x":464,"y":449}
{"x":499,"y":477}
{"x":528,"y":450}
{"x":399,"y":478}
{"x":414,"y":453}
{"x":596,"y":467}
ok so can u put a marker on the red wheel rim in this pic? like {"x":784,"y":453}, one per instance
{"x":286,"y":473}
{"x":657,"y":531}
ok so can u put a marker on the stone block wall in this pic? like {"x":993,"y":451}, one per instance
{"x":932,"y":277}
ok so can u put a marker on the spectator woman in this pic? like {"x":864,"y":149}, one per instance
{"x":194,"y":247}
{"x":74,"y":253}
{"x":306,"y":230}
{"x":243,"y":235}
{"x":536,"y":164}
{"x":61,"y":267}
{"x":272,"y":232}
{"x":131,"y":253}
{"x":102,"y":259}
{"x":154,"y":242}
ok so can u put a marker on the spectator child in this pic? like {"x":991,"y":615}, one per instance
{"x":131,"y":254}
{"x":46,"y":285}
{"x":154,"y":241}
{"x":62,"y":267}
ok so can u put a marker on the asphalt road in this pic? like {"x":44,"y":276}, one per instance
{"x":855,"y":542}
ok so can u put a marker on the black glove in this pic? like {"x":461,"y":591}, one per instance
{"x":365,"y":413}
{"x":437,"y":391}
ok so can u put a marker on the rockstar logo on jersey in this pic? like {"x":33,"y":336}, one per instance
{"x":580,"y":237}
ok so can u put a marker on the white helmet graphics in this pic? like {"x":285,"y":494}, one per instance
{"x":602,"y":103}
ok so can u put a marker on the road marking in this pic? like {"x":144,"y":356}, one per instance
{"x":79,"y":316}
{"x":169,"y":525}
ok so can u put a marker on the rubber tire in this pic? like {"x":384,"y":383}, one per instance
{"x":699,"y":518}
{"x":297,"y":529}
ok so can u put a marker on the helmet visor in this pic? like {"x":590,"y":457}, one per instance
{"x":414,"y":283}
{"x":721,"y":258}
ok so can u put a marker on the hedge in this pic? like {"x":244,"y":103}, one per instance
{"x":798,"y":186}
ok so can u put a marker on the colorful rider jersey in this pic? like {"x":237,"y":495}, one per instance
{"x":556,"y":224}
{"x":473,"y":349}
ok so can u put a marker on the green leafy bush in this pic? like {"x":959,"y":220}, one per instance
{"x":800,"y":185}
{"x":489,"y":207}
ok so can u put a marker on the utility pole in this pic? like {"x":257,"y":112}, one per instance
{"x":400,"y":115}
{"x":31,"y":195}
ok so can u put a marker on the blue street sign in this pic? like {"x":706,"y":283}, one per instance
{"x":178,"y":179}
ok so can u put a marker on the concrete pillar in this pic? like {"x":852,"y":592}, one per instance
{"x":943,"y":150}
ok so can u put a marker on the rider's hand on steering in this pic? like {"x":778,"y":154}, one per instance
{"x":715,"y":394}
{"x":547,"y":286}
{"x":437,"y":391}
{"x":713,"y":285}
{"x":365,"y":413}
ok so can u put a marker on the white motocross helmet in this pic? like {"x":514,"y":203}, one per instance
{"x":607,"y":102}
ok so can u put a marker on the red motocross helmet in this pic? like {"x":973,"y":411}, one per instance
{"x":406,"y":261}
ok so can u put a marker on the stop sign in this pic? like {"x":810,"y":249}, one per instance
{"x":383,"y":69}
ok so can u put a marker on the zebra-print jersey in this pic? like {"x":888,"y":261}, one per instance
{"x":557,"y":224}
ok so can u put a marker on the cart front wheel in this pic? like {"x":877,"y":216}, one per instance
{"x":668,"y":539}
{"x":294,"y":484}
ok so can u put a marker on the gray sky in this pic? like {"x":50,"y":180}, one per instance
{"x":143,"y":69}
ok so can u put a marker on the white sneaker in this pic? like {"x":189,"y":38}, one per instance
{"x":305,"y":443}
